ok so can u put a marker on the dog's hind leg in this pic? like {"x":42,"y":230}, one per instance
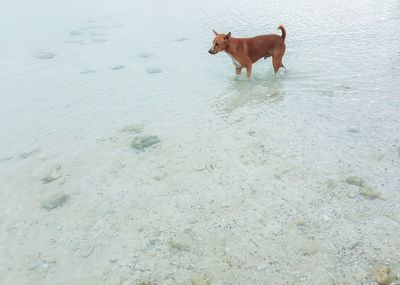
{"x":277,"y":55}
{"x":277,"y":61}
{"x":238,"y":70}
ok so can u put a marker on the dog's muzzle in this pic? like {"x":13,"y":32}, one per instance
{"x":211,"y":51}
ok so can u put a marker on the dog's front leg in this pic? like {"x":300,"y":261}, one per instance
{"x":248,"y":70}
{"x":238,"y":70}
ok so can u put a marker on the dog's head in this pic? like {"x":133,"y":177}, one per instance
{"x":219,"y":42}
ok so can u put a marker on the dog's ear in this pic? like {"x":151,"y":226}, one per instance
{"x":227,"y":36}
{"x":215,"y":33}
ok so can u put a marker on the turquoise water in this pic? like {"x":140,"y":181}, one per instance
{"x":242,"y":182}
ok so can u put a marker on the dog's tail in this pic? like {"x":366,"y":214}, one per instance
{"x":282,"y":28}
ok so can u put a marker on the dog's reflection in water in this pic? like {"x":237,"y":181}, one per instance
{"x":244,"y":93}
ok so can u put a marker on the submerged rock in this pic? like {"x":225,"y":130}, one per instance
{"x":383,"y":274}
{"x":176,"y":245}
{"x":133,"y":128}
{"x":343,"y":87}
{"x":74,"y":42}
{"x":6,"y":158}
{"x":153,"y":70}
{"x":113,"y":139}
{"x":61,"y":181}
{"x":311,"y":247}
{"x":55,"y":201}
{"x":25,"y":155}
{"x":54,"y":175}
{"x":45,"y":55}
{"x":143,"y":142}
{"x":145,"y":282}
{"x":331,"y":184}
{"x":86,"y":250}
{"x":99,"y":40}
{"x":353,"y":130}
{"x":369,"y":192}
{"x":33,"y":265}
{"x":152,"y":244}
{"x":301,"y":225}
{"x":355,"y":180}
{"x":378,"y":156}
{"x":117,"y":67}
{"x":201,"y":280}
{"x":261,"y":267}
{"x":145,"y":55}
{"x":277,"y":176}
{"x":75,"y":33}
{"x":351,"y":195}
{"x":41,"y":265}
{"x":87,"y":71}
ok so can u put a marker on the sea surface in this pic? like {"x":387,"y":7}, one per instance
{"x":130,"y":155}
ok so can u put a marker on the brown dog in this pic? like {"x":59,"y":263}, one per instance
{"x":246,"y":51}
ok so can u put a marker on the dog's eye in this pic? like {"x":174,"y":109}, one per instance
{"x":217,"y":44}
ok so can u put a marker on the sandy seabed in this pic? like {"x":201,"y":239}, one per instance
{"x":121,"y":166}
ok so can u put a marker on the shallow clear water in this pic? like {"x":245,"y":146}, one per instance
{"x":176,"y":168}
